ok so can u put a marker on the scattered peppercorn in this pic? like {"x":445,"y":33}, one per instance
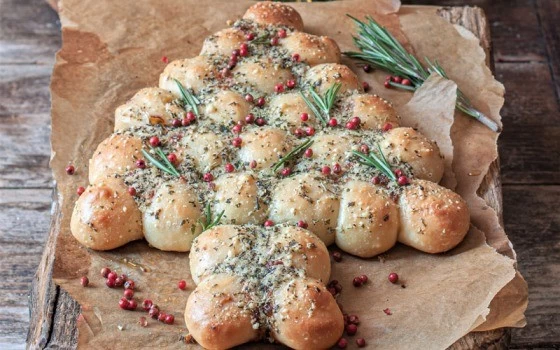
{"x":154,"y":141}
{"x":105,"y":272}
{"x":123,"y":303}
{"x":169,"y":319}
{"x":342,"y":343}
{"x":337,"y":256}
{"x":84,"y":281}
{"x":393,"y":277}
{"x":147,"y":304}
{"x":182,"y":285}
{"x":351,"y":329}
{"x":70,"y":170}
{"x":128,"y":294}
{"x":302,"y":224}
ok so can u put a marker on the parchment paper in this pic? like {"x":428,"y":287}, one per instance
{"x":111,"y":49}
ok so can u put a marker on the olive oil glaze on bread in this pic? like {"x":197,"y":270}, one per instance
{"x":224,"y":120}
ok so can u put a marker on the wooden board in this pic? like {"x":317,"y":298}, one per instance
{"x":54,"y":312}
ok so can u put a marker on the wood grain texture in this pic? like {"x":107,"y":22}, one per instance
{"x":533,"y":223}
{"x":549,"y":15}
{"x":29,"y":32}
{"x":514,"y":24}
{"x":24,"y":214}
{"x":530,"y":142}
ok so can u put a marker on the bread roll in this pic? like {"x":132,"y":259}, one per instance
{"x":215,"y":315}
{"x":227,"y":108}
{"x":333,"y":147}
{"x":267,"y":12}
{"x":323,"y":76}
{"x":288,"y":108}
{"x":214,"y":247}
{"x":368,"y":220}
{"x":223,"y":42}
{"x":105,"y":216}
{"x":205,"y":149}
{"x":148,"y":106}
{"x":434,"y":219}
{"x":307,"y":198}
{"x":238,"y":198}
{"x":406,"y":145}
{"x":117,"y":154}
{"x":306,"y":315}
{"x":373,"y":111}
{"x":170,"y":221}
{"x":312,"y":49}
{"x":264,"y":145}
{"x":310,"y":256}
{"x":262,"y":74}
{"x":193,"y":73}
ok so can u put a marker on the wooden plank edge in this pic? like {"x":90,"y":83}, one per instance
{"x":47,"y":301}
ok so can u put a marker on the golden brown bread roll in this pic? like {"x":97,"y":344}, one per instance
{"x":312,"y":49}
{"x":434,"y":219}
{"x":170,"y":221}
{"x":368,"y":220}
{"x":265,"y":281}
{"x":408,"y":146}
{"x":375,"y":113}
{"x":213,"y":315}
{"x":193,"y":73}
{"x":261,"y":74}
{"x":148,"y":106}
{"x":223,"y":42}
{"x":323,"y":76}
{"x":105,"y":216}
{"x":227,"y":108}
{"x":236,"y":195}
{"x":306,"y":197}
{"x":115,"y":155}
{"x":307,"y":316}
{"x":267,"y":12}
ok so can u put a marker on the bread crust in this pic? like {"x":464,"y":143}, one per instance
{"x":273,"y":13}
{"x":311,"y":48}
{"x":408,"y":146}
{"x":105,"y":216}
{"x":115,"y":155}
{"x":434,"y":219}
{"x":368,"y":220}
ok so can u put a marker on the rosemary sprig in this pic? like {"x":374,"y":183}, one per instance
{"x":188,"y":98}
{"x":292,"y":154}
{"x":321,"y":105}
{"x":376,"y":161}
{"x":380,"y":49}
{"x":263,"y":39}
{"x":209,"y":223}
{"x":164,"y":165}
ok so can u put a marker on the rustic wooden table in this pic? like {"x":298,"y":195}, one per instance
{"x":526,"y":40}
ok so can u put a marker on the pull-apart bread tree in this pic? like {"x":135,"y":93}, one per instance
{"x":255,"y":156}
